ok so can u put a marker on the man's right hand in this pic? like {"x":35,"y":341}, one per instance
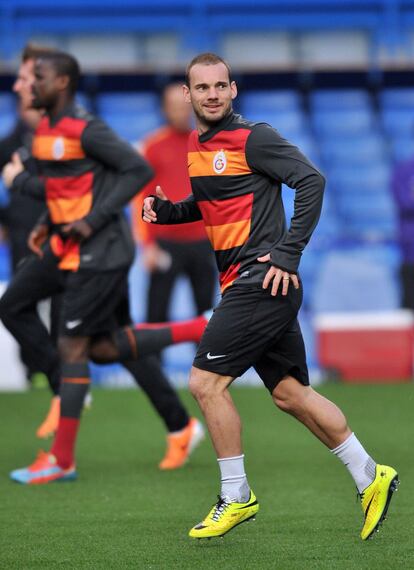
{"x":37,"y":238}
{"x":148,"y":214}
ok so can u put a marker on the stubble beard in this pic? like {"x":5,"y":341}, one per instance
{"x":210,"y":123}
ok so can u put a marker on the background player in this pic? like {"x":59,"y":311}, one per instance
{"x":171,"y":251}
{"x":88,"y":175}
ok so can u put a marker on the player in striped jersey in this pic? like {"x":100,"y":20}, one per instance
{"x":237,"y":168}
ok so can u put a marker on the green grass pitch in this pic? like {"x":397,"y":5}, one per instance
{"x":124,"y":513}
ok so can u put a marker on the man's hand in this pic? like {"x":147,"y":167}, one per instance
{"x":37,"y":238}
{"x":79,"y":230}
{"x":148,"y":214}
{"x":154,"y":257}
{"x":12,"y":169}
{"x":278,"y":275}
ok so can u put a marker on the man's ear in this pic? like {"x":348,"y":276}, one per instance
{"x":233,"y":88}
{"x":186,"y":92}
{"x":63,"y":82}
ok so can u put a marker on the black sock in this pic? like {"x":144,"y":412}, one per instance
{"x":148,"y":374}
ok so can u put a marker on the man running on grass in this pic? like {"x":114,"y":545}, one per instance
{"x":237,"y":168}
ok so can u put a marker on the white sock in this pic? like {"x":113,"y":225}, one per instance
{"x":234,"y":485}
{"x":360,"y":465}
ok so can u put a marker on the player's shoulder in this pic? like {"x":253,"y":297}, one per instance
{"x":244,"y":123}
{"x":254,"y":128}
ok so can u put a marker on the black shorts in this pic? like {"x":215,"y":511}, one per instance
{"x":94,"y":303}
{"x":251,"y":328}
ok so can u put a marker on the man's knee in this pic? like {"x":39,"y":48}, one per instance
{"x":204,"y":384}
{"x":9,"y":309}
{"x":73,"y":349}
{"x":290,"y":395}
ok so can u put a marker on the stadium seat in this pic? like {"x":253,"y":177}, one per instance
{"x":397,"y":98}
{"x":126,"y":103}
{"x":288,"y":123}
{"x":270,"y":101}
{"x":398,"y":122}
{"x":343,"y":122}
{"x":7,"y":123}
{"x":7,"y":104}
{"x":335,"y":99}
{"x":134,"y":126}
{"x":366,"y":178}
{"x":355,"y":279}
{"x":358,"y":204}
{"x":356,"y":150}
{"x":402,"y":147}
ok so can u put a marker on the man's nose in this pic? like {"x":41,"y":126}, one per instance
{"x":212,"y":93}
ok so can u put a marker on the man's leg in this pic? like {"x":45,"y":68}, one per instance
{"x":237,"y":503}
{"x":160,"y":287}
{"x":323,"y":418}
{"x":184,"y":433}
{"x":201,"y":269}
{"x":375,"y":483}
{"x":137,"y":341}
{"x":74,"y":387}
{"x":35,"y":279}
{"x":59,"y":464}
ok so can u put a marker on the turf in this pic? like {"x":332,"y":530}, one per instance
{"x":124,"y":513}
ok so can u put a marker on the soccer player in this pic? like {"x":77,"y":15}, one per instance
{"x":236,"y":169}
{"x":23,"y":211}
{"x":87,"y":176}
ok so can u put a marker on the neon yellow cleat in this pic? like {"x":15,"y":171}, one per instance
{"x":375,"y":499}
{"x":224,"y":516}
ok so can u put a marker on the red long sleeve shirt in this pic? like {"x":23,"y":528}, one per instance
{"x":166,"y":150}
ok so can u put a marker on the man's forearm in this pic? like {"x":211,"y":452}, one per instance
{"x":183,"y":212}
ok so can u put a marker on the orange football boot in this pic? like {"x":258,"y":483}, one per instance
{"x":49,"y":425}
{"x":181,"y":444}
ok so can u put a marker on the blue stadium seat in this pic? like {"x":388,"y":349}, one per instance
{"x":355,"y":279}
{"x":397,"y":98}
{"x":356,"y":150}
{"x":368,"y":217}
{"x":7,"y":104}
{"x":288,"y":123}
{"x":306,"y":144}
{"x":364,"y":178}
{"x":132,"y":127}
{"x":128,"y":103}
{"x":7,"y":123}
{"x":359,"y":204}
{"x":398,"y":122}
{"x":402,"y":147}
{"x":335,"y":99}
{"x":343,"y":122}
{"x":270,"y":101}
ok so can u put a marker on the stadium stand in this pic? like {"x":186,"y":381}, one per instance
{"x":353,"y":133}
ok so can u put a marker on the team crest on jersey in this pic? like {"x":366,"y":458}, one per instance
{"x":58,"y":148}
{"x":219,"y":162}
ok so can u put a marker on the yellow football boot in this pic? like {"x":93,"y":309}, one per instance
{"x":224,"y":516}
{"x":375,"y":499}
